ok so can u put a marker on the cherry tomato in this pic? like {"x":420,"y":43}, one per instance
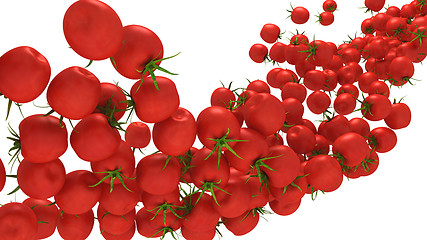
{"x":326,"y":18}
{"x":277,"y":52}
{"x":324,"y":173}
{"x":2,"y":175}
{"x":301,"y":139}
{"x":351,"y":147}
{"x":399,"y":117}
{"x":314,"y":80}
{"x":284,"y":209}
{"x":318,"y":102}
{"x":270,"y":33}
{"x":294,"y":90}
{"x":293,"y":110}
{"x":151,"y":202}
{"x":376,"y":107}
{"x":24,"y":74}
{"x":258,"y":86}
{"x":17,"y":222}
{"x":47,"y":216}
{"x":242,"y":224}
{"x":329,"y":6}
{"x":258,"y":52}
{"x":223,"y":97}
{"x":379,"y":87}
{"x":365,"y":81}
{"x":333,"y":128}
{"x":236,"y":201}
{"x":112,"y":101}
{"x":360,"y":126}
{"x":349,"y":88}
{"x":68,"y":223}
{"x":202,"y":216}
{"x":128,"y":235}
{"x":344,"y":103}
{"x":119,"y":201}
{"x":138,"y":135}
{"x":87,"y":24}
{"x":374,"y":5}
{"x":291,"y":193}
{"x":300,"y":15}
{"x":115,"y":224}
{"x":382,"y":139}
{"x":191,"y":234}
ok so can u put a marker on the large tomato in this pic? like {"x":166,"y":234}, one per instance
{"x":47,"y":216}
{"x":24,"y":74}
{"x":154,"y":105}
{"x":93,"y":139}
{"x":42,"y":138}
{"x":140,"y":45}
{"x":74,"y":93}
{"x":93,"y":29}
{"x":17,"y":222}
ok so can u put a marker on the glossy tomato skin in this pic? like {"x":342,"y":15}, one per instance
{"x":399,"y":117}
{"x":318,"y":102}
{"x":295,"y":90}
{"x":41,"y":180}
{"x":138,"y":135}
{"x":68,"y":223}
{"x":300,"y":15}
{"x":43,"y":138}
{"x":140,"y":45}
{"x":383,"y":139}
{"x":2,"y":175}
{"x":277,"y":52}
{"x":352,"y":147}
{"x":143,"y":226}
{"x":301,"y":139}
{"x":93,"y":29}
{"x":17,"y":222}
{"x":258,"y":86}
{"x":360,"y":126}
{"x":334,"y":128}
{"x":175,"y":135}
{"x":214,"y":122}
{"x":344,"y":103}
{"x":76,"y":196}
{"x":24,"y":74}
{"x":47,"y":216}
{"x":258,"y":52}
{"x":152,"y":105}
{"x":292,"y":193}
{"x":293,"y":110}
{"x":155,"y":177}
{"x":114,"y":97}
{"x":264,"y":113}
{"x":377,"y":108}
{"x":93,"y":139}
{"x":324,"y":173}
{"x":270,"y":33}
{"x":242,"y":224}
{"x":74,"y":93}
{"x":223,"y":97}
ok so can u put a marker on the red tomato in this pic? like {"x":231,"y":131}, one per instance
{"x":24,"y":74}
{"x":223,"y":97}
{"x":291,"y":193}
{"x":303,"y":67}
{"x":193,"y":234}
{"x":360,"y":126}
{"x":140,"y":45}
{"x":284,"y":209}
{"x":335,"y":64}
{"x":115,"y":224}
{"x":344,"y":103}
{"x":293,"y":110}
{"x":41,"y":180}
{"x":236,"y":201}
{"x":120,"y":164}
{"x":374,"y":5}
{"x":2,"y":175}
{"x":112,"y":101}
{"x":331,"y":79}
{"x":352,"y":149}
{"x":47,"y":216}
{"x":346,"y":75}
{"x":138,"y":135}
{"x":68,"y":223}
{"x":329,"y":6}
{"x":314,"y":80}
{"x":382,"y":139}
{"x":214,"y":123}
{"x":258,"y":86}
{"x":399,"y":117}
{"x":258,"y":52}
{"x":42,"y":138}
{"x":151,"y":202}
{"x":321,"y":147}
{"x":264,"y":113}
{"x":143,"y":219}
{"x":379,"y":87}
{"x":277,"y":52}
{"x":365,"y":81}
{"x":74,"y":93}
{"x":252,"y":148}
{"x":334,"y":128}
{"x":125,"y":236}
{"x":77,"y":196}
{"x":324,"y":173}
{"x":242,"y":224}
{"x":270,"y":33}
{"x":93,"y":139}
{"x":349,"y":88}
{"x":283,"y":77}
{"x":376,"y":107}
{"x":350,"y":55}
{"x":294,"y":90}
{"x":301,"y":139}
{"x":393,"y":11}
{"x":158,"y":174}
{"x":326,"y":18}
{"x":152,"y":105}
{"x":119,"y":201}
{"x":202,"y":216}
{"x":17,"y":222}
{"x":318,"y":102}
{"x":296,"y":52}
{"x":175,"y":135}
{"x":87,"y":24}
{"x":401,"y":70}
{"x":300,"y":15}
{"x":272,"y":76}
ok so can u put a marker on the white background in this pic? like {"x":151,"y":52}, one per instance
{"x":214,"y":38}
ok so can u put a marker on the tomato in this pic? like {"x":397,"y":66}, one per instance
{"x":260,"y":193}
{"x":277,"y":52}
{"x":140,"y":45}
{"x":401,"y":70}
{"x":272,"y":76}
{"x":367,"y":26}
{"x":193,"y":234}
{"x":300,"y":15}
{"x":24,"y":74}
{"x":413,"y":51}
{"x":370,"y":164}
{"x":314,"y":80}
{"x":143,"y":219}
{"x":223,"y":97}
{"x":258,"y":86}
{"x":318,"y":102}
{"x":138,"y":135}
{"x":93,"y":139}
{"x":120,"y":164}
{"x":17,"y":222}
{"x":119,"y":201}
{"x":293,"y":110}
{"x":2,"y":175}
{"x":379,"y":87}
{"x":334,"y":128}
{"x":376,"y":107}
{"x":252,"y":148}
{"x":408,"y":11}
{"x":87,"y":24}
{"x":41,"y":180}
{"x":349,"y":88}
{"x":397,"y":27}
{"x":128,"y":235}
{"x":335,"y":64}
{"x":291,"y":193}
{"x":393,"y":11}
{"x":202,"y":216}
{"x":42,"y":138}
{"x":382,"y":139}
{"x":329,"y":6}
{"x":374,"y":5}
{"x":344,"y":103}
{"x":399,"y":117}
{"x":350,"y":55}
{"x":68,"y":223}
{"x":294,"y":90}
{"x":154,"y":105}
{"x":242,"y":224}
{"x":301,"y":139}
{"x":351,"y":147}
{"x":321,"y":147}
{"x":236,"y":201}
{"x":303,"y":67}
{"x":175,"y":135}
{"x":158,"y":174}
{"x":284,"y":76}
{"x":258,"y":52}
{"x":47,"y":216}
{"x":284,"y":209}
{"x":377,"y":48}
{"x":326,"y":18}
{"x":77,"y":196}
{"x":214,"y":123}
{"x":331,"y":81}
{"x":151,"y":202}
{"x":346,"y":75}
{"x":324,"y":173}
{"x":270,"y":33}
{"x":112,"y":101}
{"x":115,"y":224}
{"x":296,"y":52}
{"x":360,"y":126}
{"x":358,"y":43}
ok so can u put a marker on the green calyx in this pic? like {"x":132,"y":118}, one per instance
{"x":113,"y":175}
{"x":210,"y":186}
{"x":221,"y":143}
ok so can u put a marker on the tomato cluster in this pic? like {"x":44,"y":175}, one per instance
{"x":258,"y":149}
